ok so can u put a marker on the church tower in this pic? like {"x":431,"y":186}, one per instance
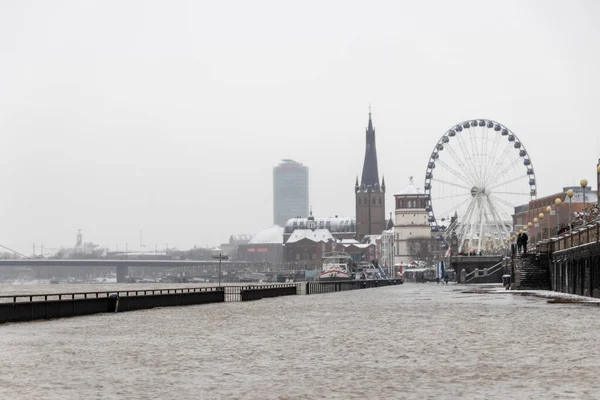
{"x":370,"y":195}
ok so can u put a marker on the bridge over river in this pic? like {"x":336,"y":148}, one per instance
{"x":121,"y":266}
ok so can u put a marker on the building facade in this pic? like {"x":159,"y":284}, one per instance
{"x":370,"y":195}
{"x":560,"y":215}
{"x":265,"y":247}
{"x":411,"y":228}
{"x":290,"y":191}
{"x":339,"y":227}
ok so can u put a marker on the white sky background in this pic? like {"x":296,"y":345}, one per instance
{"x":168,"y":116}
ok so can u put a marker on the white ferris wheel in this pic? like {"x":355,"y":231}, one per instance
{"x":477,"y":173}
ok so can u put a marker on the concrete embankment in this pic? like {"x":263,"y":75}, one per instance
{"x":31,"y":307}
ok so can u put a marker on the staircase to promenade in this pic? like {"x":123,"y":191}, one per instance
{"x":532,"y":272}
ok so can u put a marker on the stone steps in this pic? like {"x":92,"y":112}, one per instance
{"x":532,"y":275}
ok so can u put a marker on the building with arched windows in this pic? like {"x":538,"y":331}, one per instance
{"x":411,"y":229}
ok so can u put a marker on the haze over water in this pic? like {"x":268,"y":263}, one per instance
{"x":414,"y":341}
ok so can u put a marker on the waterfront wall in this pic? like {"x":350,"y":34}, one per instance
{"x":21,"y":308}
{"x":338,"y":286}
{"x":49,"y":306}
{"x":577,"y":271}
{"x":262,"y":293}
{"x":34,"y":310}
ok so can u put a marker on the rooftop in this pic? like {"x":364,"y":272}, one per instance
{"x":273,"y":234}
{"x":410,"y":189}
{"x":318,"y":235}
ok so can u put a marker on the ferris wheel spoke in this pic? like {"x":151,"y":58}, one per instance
{"x":481,"y":224}
{"x":466,"y":170}
{"x":484,"y":144}
{"x":476,"y":157}
{"x":498,"y":162}
{"x":454,"y":195}
{"x":464,"y":224}
{"x":498,"y":199}
{"x":468,"y":157}
{"x":507,"y":182}
{"x":478,"y":150}
{"x":497,"y":218}
{"x":455,"y":207}
{"x":506,"y":169}
{"x":492,"y":160}
{"x":451,"y":184}
{"x":456,"y":173}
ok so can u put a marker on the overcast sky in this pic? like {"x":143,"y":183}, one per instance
{"x":168,"y":116}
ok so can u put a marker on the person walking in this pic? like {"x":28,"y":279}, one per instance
{"x":524,"y":239}
{"x":519,"y":243}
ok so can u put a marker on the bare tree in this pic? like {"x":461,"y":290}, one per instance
{"x":423,"y":249}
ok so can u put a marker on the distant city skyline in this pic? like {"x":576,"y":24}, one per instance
{"x":171,"y":120}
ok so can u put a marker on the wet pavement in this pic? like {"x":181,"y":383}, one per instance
{"x":414,"y":341}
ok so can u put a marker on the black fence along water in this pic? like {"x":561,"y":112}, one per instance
{"x":338,"y":286}
{"x":19,"y":308}
{"x":30,"y":307}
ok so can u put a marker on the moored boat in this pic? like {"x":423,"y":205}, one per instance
{"x":336,"y":266}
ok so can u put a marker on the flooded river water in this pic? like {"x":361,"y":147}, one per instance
{"x":414,"y":341}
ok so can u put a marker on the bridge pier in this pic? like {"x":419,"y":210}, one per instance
{"x":121,"y":273}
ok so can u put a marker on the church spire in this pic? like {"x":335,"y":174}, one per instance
{"x":370,"y":174}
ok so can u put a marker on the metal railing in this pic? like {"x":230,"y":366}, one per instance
{"x":579,"y":236}
{"x":318,"y":287}
{"x":96,"y":295}
{"x":234,"y":293}
{"x":486,"y":271}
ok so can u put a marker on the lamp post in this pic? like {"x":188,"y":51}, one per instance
{"x":583,"y":184}
{"x":570,"y":197}
{"x":549,"y":211}
{"x":220,"y":257}
{"x":530,"y":226}
{"x":535,"y":225}
{"x":541,"y":217}
{"x":558,"y":202}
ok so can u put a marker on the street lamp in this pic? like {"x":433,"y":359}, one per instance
{"x":570,"y":196}
{"x":583,"y":184}
{"x":535,"y":225}
{"x":220,"y":257}
{"x":558,"y":202}
{"x":549,"y":211}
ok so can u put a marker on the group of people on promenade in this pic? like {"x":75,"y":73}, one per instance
{"x":522,"y":239}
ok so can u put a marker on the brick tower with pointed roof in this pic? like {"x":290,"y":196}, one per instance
{"x":370,"y":195}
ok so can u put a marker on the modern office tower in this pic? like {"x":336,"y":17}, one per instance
{"x":290,"y":191}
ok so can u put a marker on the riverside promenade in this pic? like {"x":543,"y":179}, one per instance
{"x":414,"y":341}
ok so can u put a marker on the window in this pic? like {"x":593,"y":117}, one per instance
{"x":379,"y":200}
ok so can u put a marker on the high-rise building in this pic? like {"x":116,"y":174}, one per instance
{"x":290,"y":191}
{"x":370,"y":195}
